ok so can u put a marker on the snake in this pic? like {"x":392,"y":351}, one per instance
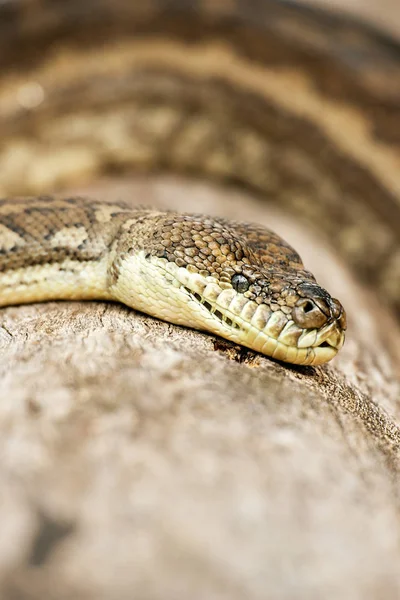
{"x":238,"y":280}
{"x":299,"y":106}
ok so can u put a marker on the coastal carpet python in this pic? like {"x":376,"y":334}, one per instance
{"x":299,"y":106}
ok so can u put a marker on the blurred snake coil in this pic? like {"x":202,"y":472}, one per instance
{"x":297,"y":105}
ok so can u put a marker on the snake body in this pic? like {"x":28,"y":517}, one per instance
{"x":300,"y":107}
{"x":238,"y":280}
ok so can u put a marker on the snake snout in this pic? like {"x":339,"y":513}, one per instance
{"x":308,"y":315}
{"x":339,"y":313}
{"x":316,"y":308}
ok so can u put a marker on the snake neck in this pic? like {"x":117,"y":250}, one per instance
{"x":237,"y":280}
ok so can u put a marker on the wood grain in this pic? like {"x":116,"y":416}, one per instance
{"x":132,"y":447}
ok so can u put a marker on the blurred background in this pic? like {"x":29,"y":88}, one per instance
{"x":384,"y":15}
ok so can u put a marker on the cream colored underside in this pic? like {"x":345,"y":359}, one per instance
{"x":71,"y":280}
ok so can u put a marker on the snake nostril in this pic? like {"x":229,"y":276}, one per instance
{"x":307,"y":314}
{"x":308,"y":306}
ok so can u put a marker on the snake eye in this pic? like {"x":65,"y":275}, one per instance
{"x":240,"y":283}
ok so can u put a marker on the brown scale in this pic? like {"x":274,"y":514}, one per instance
{"x":32,"y":225}
{"x":221,"y":249}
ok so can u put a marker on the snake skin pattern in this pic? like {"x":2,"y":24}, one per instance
{"x":298,"y":106}
{"x":238,"y":280}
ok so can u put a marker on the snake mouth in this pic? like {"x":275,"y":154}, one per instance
{"x":214,"y":310}
{"x":277,"y":336}
{"x":205,"y":303}
{"x":326,"y":345}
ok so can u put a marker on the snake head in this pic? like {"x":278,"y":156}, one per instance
{"x":281,"y":313}
{"x":252,"y":290}
{"x":277,"y":314}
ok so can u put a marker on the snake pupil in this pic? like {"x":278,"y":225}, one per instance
{"x":240,"y":283}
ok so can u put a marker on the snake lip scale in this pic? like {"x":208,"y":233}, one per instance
{"x":237,"y":280}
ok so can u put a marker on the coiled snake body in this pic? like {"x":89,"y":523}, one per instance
{"x":300,"y":108}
